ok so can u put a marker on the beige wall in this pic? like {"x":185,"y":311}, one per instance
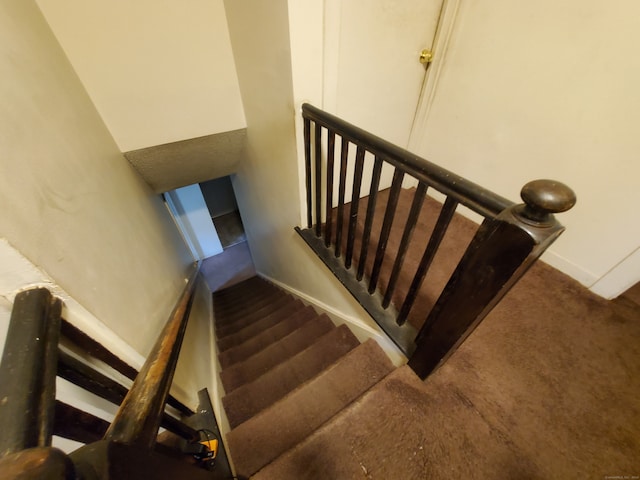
{"x":157,"y":72}
{"x":267,"y":182}
{"x":70,"y":202}
{"x":549,"y":90}
{"x":525,"y":92}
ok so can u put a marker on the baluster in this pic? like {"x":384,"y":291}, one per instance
{"x":344,"y":153}
{"x":396,"y":184}
{"x":371,"y":207}
{"x":318,"y":175}
{"x":412,"y":219}
{"x":446,"y":214}
{"x":28,"y":372}
{"x":501,"y":251}
{"x":331,"y":140}
{"x":355,"y":203}
{"x":307,"y":167}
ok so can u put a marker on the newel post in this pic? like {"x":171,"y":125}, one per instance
{"x":499,"y":254}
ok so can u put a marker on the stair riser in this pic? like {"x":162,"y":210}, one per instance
{"x":253,"y":444}
{"x":250,"y":316}
{"x":248,"y":400}
{"x":275,"y":354}
{"x":258,"y":327}
{"x":232,"y":307}
{"x":266,"y":338}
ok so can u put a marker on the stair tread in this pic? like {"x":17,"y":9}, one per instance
{"x":278,"y":352}
{"x":253,"y":444}
{"x":267,"y":337}
{"x":259,"y":326}
{"x":399,"y":426}
{"x":255,"y":289}
{"x":252,"y":313}
{"x":252,"y":283}
{"x":248,"y":400}
{"x":382,"y":433}
{"x":228,"y":310}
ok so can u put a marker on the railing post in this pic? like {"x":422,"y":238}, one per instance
{"x":501,"y":251}
{"x":28,"y":372}
{"x":27,"y":390}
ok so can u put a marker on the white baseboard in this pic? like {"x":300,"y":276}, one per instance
{"x":576,"y":272}
{"x":620,"y":278}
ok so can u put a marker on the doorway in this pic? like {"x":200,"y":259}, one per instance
{"x":221,"y":201}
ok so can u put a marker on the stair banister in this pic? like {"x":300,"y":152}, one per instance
{"x":138,"y":418}
{"x":467,"y":193}
{"x":509,"y":240}
{"x":499,"y":254}
{"x":30,"y":414}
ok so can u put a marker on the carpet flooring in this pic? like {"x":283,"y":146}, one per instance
{"x":547,"y":387}
{"x":231,"y":266}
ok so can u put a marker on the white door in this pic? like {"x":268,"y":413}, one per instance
{"x":373,"y":76}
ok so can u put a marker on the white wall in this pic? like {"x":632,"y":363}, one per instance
{"x":193,"y":217}
{"x":70,"y":201}
{"x":157,"y":72}
{"x":267,"y":182}
{"x":549,"y":90}
{"x":523,"y":92}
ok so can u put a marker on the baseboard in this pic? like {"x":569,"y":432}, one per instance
{"x":620,"y":278}
{"x":566,"y":266}
{"x":360,"y":328}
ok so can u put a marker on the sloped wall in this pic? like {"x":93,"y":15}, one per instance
{"x":158,"y":72}
{"x":70,"y":202}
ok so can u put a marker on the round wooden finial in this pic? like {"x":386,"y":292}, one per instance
{"x":545,"y":197}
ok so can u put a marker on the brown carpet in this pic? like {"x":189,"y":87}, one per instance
{"x":306,"y":408}
{"x":458,"y":236}
{"x":547,"y":387}
{"x":230,"y":267}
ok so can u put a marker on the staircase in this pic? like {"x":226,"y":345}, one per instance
{"x":305,"y":399}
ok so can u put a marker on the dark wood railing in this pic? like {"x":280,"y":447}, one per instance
{"x":126,"y":448}
{"x":506,"y":244}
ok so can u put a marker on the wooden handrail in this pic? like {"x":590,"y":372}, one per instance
{"x":477,"y":198}
{"x":506,"y":244}
{"x":30,"y":413}
{"x":138,"y":418}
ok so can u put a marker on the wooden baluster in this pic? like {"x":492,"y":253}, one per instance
{"x":355,"y":203}
{"x":89,"y":379}
{"x":501,"y":251}
{"x":342,"y":186}
{"x":28,"y":372}
{"x":331,"y":140}
{"x":371,"y":208}
{"x":87,"y":344}
{"x":412,"y":219}
{"x":318,"y":177}
{"x":446,"y":214}
{"x":392,"y":202}
{"x":307,"y":168}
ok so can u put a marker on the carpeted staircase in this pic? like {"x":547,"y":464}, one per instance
{"x":305,"y":399}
